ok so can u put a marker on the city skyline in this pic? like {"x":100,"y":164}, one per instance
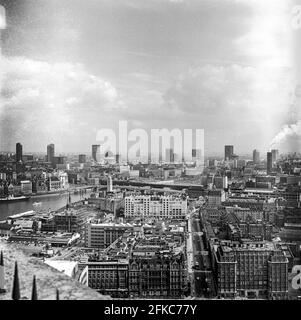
{"x":87,"y":66}
{"x":220,"y":153}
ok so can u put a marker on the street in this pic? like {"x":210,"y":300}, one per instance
{"x":200,"y":273}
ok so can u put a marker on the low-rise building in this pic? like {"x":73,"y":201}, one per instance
{"x":101,"y":235}
{"x":26,"y":187}
{"x":73,"y":219}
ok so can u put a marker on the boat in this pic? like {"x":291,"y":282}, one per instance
{"x":14,"y":199}
{"x":22,"y":215}
{"x":37,"y":204}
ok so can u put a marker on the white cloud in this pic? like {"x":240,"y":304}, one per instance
{"x":269,"y":39}
{"x":269,"y":42}
{"x":50,"y":99}
{"x":238,"y":97}
{"x":216,"y":89}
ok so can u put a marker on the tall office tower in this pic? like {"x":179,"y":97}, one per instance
{"x":109,"y":184}
{"x":256,"y":156}
{"x":96,"y":152}
{"x":269,"y":162}
{"x":169,"y":155}
{"x":50,"y":153}
{"x":229,"y":152}
{"x":19,"y":152}
{"x":117,"y":158}
{"x":82,"y":158}
{"x":275,"y":153}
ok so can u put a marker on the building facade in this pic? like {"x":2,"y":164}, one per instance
{"x":50,"y":153}
{"x":251,"y":270}
{"x":269,"y":162}
{"x":96,"y":153}
{"x":19,"y":152}
{"x":157,"y":276}
{"x":109,"y":277}
{"x":162,"y":207}
{"x":229,"y":152}
{"x":256,"y":156}
{"x":101,"y":235}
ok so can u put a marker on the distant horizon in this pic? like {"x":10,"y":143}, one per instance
{"x":207,"y":154}
{"x":211,"y":154}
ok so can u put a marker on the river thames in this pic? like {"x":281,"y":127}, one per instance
{"x":46,"y":202}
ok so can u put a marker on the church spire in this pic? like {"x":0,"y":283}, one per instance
{"x":34,"y":293}
{"x":2,"y":278}
{"x":16,"y":286}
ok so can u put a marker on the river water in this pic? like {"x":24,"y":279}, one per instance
{"x":46,"y":202}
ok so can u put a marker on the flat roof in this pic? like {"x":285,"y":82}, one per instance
{"x":23,"y":214}
{"x":62,"y":265}
{"x":259,"y":190}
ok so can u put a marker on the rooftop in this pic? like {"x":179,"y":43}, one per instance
{"x":48,"y":279}
{"x":65,"y":266}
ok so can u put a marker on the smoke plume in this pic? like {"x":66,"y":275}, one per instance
{"x":287,"y":131}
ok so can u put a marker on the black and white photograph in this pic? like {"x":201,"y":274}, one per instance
{"x":150,"y":150}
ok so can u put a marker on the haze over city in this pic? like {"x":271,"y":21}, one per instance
{"x":74,"y":67}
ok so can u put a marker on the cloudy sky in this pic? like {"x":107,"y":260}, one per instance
{"x":73,"y":67}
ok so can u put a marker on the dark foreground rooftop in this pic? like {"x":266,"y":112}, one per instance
{"x":47,"y":278}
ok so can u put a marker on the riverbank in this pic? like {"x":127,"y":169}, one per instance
{"x":46,"y":202}
{"x":78,"y":190}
